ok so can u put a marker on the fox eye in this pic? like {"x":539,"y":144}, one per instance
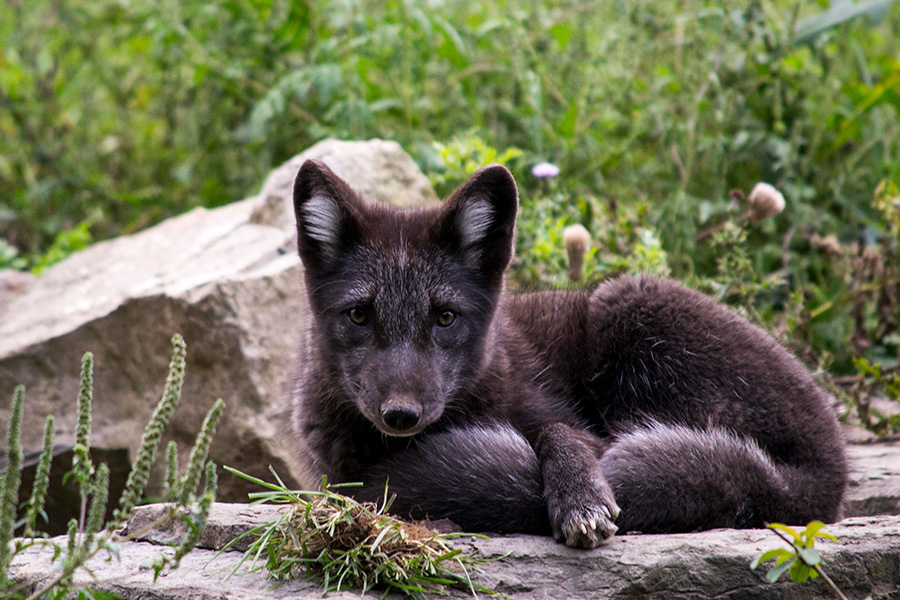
{"x":358,"y":316}
{"x":446,"y":318}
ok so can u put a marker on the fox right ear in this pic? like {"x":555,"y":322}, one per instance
{"x":325,"y":208}
{"x":481,"y":219}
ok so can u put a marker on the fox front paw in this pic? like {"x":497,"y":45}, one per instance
{"x":580,"y":502}
{"x":585,"y":526}
{"x":582,"y":513}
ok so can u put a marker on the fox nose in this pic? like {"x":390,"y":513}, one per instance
{"x":401,"y":413}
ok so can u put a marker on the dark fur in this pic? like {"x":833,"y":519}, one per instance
{"x":547,"y":412}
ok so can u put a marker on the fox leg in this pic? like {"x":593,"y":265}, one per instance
{"x":580,"y":502}
{"x":483,"y":478}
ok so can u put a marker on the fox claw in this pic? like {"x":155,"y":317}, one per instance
{"x":586,"y":530}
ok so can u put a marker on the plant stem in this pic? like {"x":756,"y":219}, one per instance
{"x":130,"y":537}
{"x":817,"y":568}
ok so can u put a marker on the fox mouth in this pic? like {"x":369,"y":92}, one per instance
{"x":389,"y":431}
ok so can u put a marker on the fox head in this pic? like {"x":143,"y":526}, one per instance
{"x":403,"y":301}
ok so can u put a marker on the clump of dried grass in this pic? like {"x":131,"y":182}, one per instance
{"x":347,"y":544}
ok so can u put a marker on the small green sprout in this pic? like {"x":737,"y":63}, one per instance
{"x":802,"y":561}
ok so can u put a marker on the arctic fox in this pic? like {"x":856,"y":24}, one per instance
{"x":639,"y":405}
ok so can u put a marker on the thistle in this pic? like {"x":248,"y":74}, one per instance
{"x":765,"y":202}
{"x":577,"y":241}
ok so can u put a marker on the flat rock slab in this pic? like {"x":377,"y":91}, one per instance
{"x":874,"y":487}
{"x":706,"y":565}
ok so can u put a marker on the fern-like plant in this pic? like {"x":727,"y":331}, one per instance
{"x":88,"y":535}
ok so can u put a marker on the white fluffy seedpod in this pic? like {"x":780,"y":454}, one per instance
{"x":577,"y":240}
{"x":765,"y":202}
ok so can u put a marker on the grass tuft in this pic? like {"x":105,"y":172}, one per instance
{"x":328,"y":537}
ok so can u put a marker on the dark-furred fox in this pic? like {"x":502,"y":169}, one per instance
{"x":639,"y":405}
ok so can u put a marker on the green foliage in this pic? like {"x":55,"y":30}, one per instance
{"x":874,"y":379}
{"x":654,"y":112}
{"x":457,"y":160}
{"x":9,"y":256}
{"x":802,"y":561}
{"x":135,"y":111}
{"x":65,"y":243}
{"x":89,"y":535}
{"x":344,"y":544}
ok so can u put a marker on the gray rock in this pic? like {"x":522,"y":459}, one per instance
{"x":706,"y":565}
{"x":228,"y":279}
{"x":874,"y":487}
{"x":380,"y":170}
{"x":13,"y":283}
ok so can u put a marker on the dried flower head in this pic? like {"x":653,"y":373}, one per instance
{"x":577,"y":240}
{"x":765,"y":202}
{"x":545,"y":170}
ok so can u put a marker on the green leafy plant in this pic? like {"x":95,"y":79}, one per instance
{"x":89,"y":535}
{"x":462,"y":156}
{"x":653,"y":112}
{"x":802,"y":561}
{"x":345,"y":544}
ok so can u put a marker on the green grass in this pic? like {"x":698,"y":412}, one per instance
{"x":116,"y":115}
{"x":344,"y":544}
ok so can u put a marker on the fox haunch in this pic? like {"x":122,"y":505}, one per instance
{"x":638,"y":405}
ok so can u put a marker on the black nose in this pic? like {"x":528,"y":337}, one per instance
{"x":400,"y":417}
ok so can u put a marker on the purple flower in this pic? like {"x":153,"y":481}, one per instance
{"x":545,"y":170}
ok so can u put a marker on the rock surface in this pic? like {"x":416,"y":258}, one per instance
{"x":874,"y":487}
{"x":228,"y":279}
{"x":706,"y":565}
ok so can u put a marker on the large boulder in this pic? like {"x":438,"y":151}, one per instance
{"x":227,"y":279}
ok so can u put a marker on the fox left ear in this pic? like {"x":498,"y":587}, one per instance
{"x":481,"y":218}
{"x":328,"y":214}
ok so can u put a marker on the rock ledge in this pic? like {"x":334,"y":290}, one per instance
{"x":706,"y":565}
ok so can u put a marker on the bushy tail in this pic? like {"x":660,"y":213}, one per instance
{"x":670,"y":478}
{"x":484,"y":478}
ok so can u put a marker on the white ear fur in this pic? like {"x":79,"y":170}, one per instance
{"x":322,"y":222}
{"x":473,"y":220}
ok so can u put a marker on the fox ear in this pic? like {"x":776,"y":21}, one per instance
{"x":481,"y":216}
{"x":325,"y":207}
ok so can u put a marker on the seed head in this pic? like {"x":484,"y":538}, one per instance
{"x":577,"y":240}
{"x":765,"y":202}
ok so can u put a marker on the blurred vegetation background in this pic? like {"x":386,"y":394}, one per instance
{"x":661,"y":116}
